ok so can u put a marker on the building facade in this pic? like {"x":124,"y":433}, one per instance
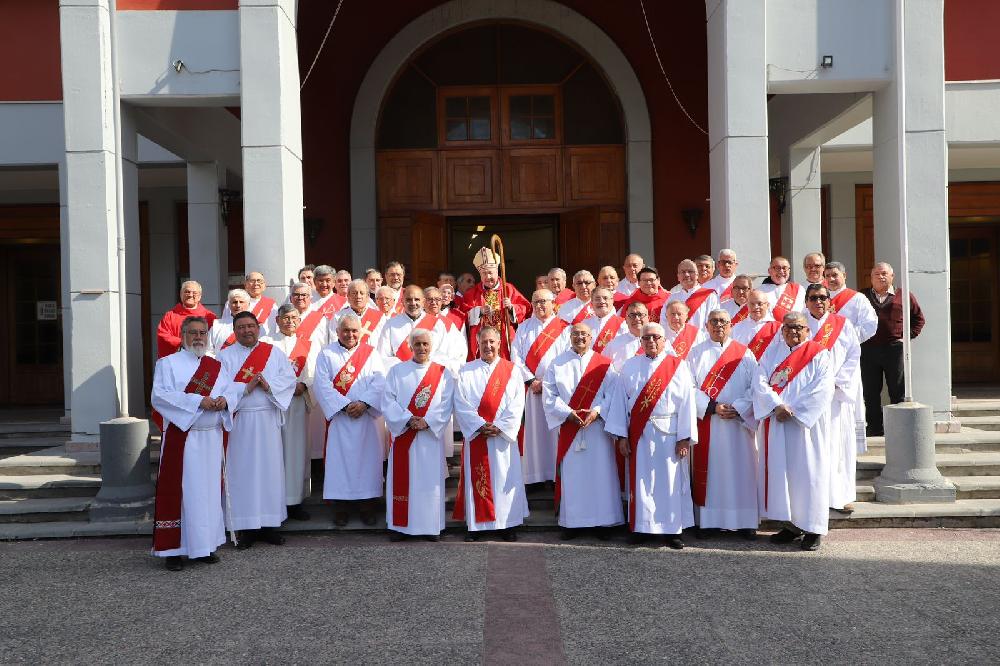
{"x":240,"y":135}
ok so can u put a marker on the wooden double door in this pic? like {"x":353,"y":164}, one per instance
{"x":975,"y":312}
{"x":430,"y":243}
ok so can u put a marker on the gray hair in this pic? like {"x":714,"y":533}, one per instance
{"x":601,"y":290}
{"x":357,"y":284}
{"x":652,"y":327}
{"x":836,"y":265}
{"x":719,"y":311}
{"x":794,"y":316}
{"x":286,"y":308}
{"x":545,"y":293}
{"x":557,"y":271}
{"x":420,"y":333}
{"x":323,"y":269}
{"x":726,"y":252}
{"x":487,"y":329}
{"x":583,"y":273}
{"x":193,"y":320}
{"x":299,"y":285}
{"x":238,"y":292}
{"x":884,"y":263}
{"x":349,"y":317}
{"x":194,"y":282}
{"x":341,"y":272}
{"x":385,"y":288}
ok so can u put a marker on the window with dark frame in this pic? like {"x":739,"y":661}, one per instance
{"x":467,"y":118}
{"x":532,"y":117}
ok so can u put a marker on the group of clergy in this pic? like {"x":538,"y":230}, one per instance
{"x":714,"y":404}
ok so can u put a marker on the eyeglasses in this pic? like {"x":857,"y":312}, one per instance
{"x":735,"y":288}
{"x":651,"y":337}
{"x":797,"y":327}
{"x":583,"y":282}
{"x":300,"y":295}
{"x":637,"y":315}
{"x":819,"y":297}
{"x":718,"y":322}
{"x":255,"y":282}
{"x":781,"y":269}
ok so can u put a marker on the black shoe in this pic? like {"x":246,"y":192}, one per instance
{"x":509,"y":535}
{"x":784,"y":536}
{"x":471,"y":537}
{"x":636,"y":538}
{"x":368,"y":517}
{"x":602,"y":533}
{"x":174,"y":563}
{"x":567,"y":534}
{"x":208,"y":559}
{"x":704,"y":532}
{"x":396,"y":537}
{"x":272,"y":536}
{"x":245,"y":539}
{"x":811,"y":541}
{"x":673,"y":541}
{"x":433,"y":538}
{"x":340,"y":518}
{"x":296,"y":512}
{"x":748,"y":534}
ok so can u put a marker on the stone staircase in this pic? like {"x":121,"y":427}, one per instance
{"x":46,"y":491}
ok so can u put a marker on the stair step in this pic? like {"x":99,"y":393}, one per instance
{"x":56,"y":460}
{"x":52,"y":509}
{"x":975,"y":407}
{"x":985,"y":422}
{"x":28,"y":429}
{"x":977,"y":487}
{"x":40,"y":486}
{"x":949,"y":464}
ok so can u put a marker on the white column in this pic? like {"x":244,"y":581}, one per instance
{"x":926,"y":196}
{"x":163,"y":283}
{"x":137,"y":397}
{"x":272,"y":142}
{"x":206,"y":235}
{"x":90,"y":208}
{"x":802,"y":223}
{"x":737,"y":103}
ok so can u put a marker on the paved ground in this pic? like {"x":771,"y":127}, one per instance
{"x":886,"y":596}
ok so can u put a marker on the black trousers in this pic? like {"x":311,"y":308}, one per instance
{"x":878,"y":361}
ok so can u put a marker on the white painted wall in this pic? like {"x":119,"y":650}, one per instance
{"x":857,"y":33}
{"x":207,"y":42}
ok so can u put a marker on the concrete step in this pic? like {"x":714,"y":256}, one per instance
{"x":949,"y":464}
{"x":57,"y":460}
{"x":977,"y":487}
{"x":16,"y":446}
{"x":980,"y":422}
{"x":975,"y":407}
{"x":966,"y":441}
{"x":29,"y":428}
{"x":43,"y":486}
{"x":963,"y":513}
{"x":40,"y":510}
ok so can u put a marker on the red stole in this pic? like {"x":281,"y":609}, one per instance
{"x":786,"y":301}
{"x":419,"y":403}
{"x":840,"y":300}
{"x":715,"y":381}
{"x":582,"y":399}
{"x":263,"y":309}
{"x":727,"y":293}
{"x":760,"y":341}
{"x":695,"y":300}
{"x":351,"y":369}
{"x":585,"y":312}
{"x":479,"y":456}
{"x":369,"y":320}
{"x":827,"y":334}
{"x":741,"y":314}
{"x":167,"y":510}
{"x":685,"y":340}
{"x":231,"y":339}
{"x":642,"y":409}
{"x":254,"y":365}
{"x":608,"y":333}
{"x":331,"y":305}
{"x":404,"y":353}
{"x":398,"y":307}
{"x":782,"y":376}
{"x":303,"y":341}
{"x":564,"y":296}
{"x":544,"y":342}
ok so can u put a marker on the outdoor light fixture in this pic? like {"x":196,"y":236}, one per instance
{"x":313,"y":225}
{"x":827,"y":62}
{"x":226,"y":199}
{"x":692,"y":216}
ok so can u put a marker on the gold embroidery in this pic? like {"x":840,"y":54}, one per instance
{"x":248,"y":373}
{"x":652,"y":388}
{"x":482,"y":487}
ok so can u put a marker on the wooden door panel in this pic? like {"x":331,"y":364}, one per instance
{"x":580,"y":240}
{"x":533,"y":177}
{"x":612,"y":245}
{"x":470,"y":179}
{"x":975,"y":314}
{"x":429,"y":248}
{"x":394,"y":240}
{"x":595,"y":175}
{"x":864,"y":234}
{"x":407,"y":180}
{"x":35,"y":333}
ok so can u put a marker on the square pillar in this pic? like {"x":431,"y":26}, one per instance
{"x":206,"y":234}
{"x":65,"y":310}
{"x":802,"y":222}
{"x":137,"y":395}
{"x":91,"y":203}
{"x":737,"y":103}
{"x":923,"y":131}
{"x":271,"y":142}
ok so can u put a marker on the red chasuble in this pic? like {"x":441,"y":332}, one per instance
{"x":758,"y":344}
{"x":715,"y":381}
{"x":840,"y":300}
{"x":642,"y":409}
{"x":786,"y":301}
{"x":349,"y":372}
{"x":479,"y":456}
{"x":419,"y":403}
{"x":167,"y":509}
{"x":607,"y":333}
{"x":543,"y":343}
{"x":582,"y":399}
{"x":403,"y":352}
{"x":480,"y":297}
{"x":695,"y":300}
{"x":685,"y":340}
{"x":653,"y":303}
{"x":782,"y":376}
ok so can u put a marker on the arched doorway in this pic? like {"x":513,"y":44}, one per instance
{"x":500,"y":128}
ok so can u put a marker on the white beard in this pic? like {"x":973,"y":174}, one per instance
{"x":197,"y":350}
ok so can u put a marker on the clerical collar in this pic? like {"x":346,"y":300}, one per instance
{"x":419,"y":316}
{"x":791,"y":349}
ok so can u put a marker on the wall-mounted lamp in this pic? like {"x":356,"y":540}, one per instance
{"x":226,"y":199}
{"x":779,"y":189}
{"x":826,"y":62}
{"x":692,"y":216}
{"x":313,"y":225}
